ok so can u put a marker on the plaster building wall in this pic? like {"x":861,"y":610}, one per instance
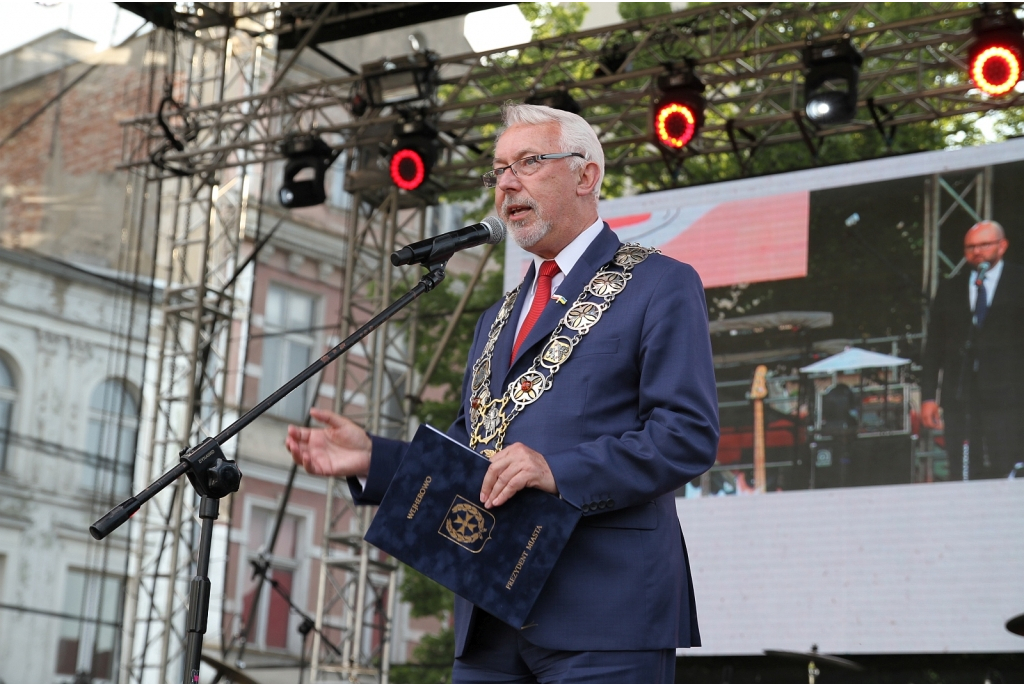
{"x":62,"y":210}
{"x":64,"y":333}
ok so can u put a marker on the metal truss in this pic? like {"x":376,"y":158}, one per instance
{"x":199,"y":219}
{"x":357,"y":592}
{"x":749,"y":56}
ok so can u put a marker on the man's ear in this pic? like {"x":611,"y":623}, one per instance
{"x":588,"y":179}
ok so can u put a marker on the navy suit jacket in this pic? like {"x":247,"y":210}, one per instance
{"x":631,"y":417}
{"x":999,"y":381}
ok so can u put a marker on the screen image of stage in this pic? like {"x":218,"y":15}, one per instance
{"x":833,"y":516}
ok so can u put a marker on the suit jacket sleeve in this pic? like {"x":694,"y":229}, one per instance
{"x":387,"y":454}
{"x":678,"y":409}
{"x":932,"y":358}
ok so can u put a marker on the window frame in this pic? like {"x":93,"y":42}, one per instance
{"x":299,"y":566}
{"x":99,"y":465}
{"x":8,"y":396}
{"x":268,"y":382}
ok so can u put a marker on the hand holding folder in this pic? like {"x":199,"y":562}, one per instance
{"x":432,"y":519}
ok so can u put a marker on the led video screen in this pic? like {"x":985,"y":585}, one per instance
{"x":835,"y":515}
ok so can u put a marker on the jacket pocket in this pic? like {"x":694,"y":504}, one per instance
{"x":590,"y":346}
{"x":641,"y":517}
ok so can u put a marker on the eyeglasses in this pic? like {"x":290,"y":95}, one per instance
{"x":524,"y":167}
{"x":981,"y":246}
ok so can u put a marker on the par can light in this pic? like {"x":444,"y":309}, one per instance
{"x":407,"y":169}
{"x":678,"y":111}
{"x":674,"y":125}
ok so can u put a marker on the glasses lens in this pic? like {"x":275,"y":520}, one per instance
{"x":527,"y":166}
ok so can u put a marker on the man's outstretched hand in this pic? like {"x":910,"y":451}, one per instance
{"x":340,"y":448}
{"x":512,"y":469}
{"x":930,"y":414}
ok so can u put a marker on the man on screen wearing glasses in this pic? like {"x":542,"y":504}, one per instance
{"x":620,"y":334}
{"x":976,"y":338}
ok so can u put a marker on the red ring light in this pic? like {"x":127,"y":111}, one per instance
{"x":407,"y":169}
{"x":669,"y":119}
{"x":1004,"y":62}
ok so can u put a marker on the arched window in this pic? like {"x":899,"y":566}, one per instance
{"x":8,"y":393}
{"x":110,"y":438}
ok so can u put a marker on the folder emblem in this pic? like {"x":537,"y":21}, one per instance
{"x":467,"y":525}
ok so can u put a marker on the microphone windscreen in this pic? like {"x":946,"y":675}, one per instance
{"x":497,"y":229}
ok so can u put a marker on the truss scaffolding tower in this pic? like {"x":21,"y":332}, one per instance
{"x":223,"y":122}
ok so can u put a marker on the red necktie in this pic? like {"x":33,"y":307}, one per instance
{"x":548,"y":269}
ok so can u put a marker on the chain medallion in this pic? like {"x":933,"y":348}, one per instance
{"x":490,"y":418}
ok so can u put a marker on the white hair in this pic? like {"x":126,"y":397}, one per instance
{"x":575,"y":134}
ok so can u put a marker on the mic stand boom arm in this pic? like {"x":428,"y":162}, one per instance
{"x":214,"y":477}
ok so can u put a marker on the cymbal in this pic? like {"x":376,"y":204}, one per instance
{"x":816,"y":657}
{"x":1016,"y":625}
{"x":223,"y":669}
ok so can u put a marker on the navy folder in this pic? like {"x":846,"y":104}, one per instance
{"x":432,"y":519}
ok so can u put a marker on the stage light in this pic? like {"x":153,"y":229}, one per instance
{"x":407,"y":169}
{"x":308,"y":160}
{"x":557,"y":98}
{"x":679,"y":109}
{"x":415,"y":150}
{"x":830,"y":81}
{"x":400,"y":80}
{"x":995,"y":57}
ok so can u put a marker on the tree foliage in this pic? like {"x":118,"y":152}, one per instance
{"x":885,"y":244}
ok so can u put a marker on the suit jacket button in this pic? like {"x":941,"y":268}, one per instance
{"x":585,"y":507}
{"x":611,"y":503}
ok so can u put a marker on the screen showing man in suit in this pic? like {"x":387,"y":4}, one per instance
{"x":974,"y":344}
{"x":593,"y":380}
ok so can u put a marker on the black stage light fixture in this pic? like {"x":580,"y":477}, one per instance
{"x":831,"y":72}
{"x":309,"y":157}
{"x":555,"y":98}
{"x":678,"y":111}
{"x":415,"y":151}
{"x":996,"y":56}
{"x":400,"y":80}
{"x":612,"y":59}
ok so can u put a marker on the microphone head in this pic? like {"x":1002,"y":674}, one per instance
{"x":983,"y":267}
{"x":496,"y":228}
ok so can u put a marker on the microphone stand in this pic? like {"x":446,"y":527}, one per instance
{"x":963,"y":391}
{"x":213,"y":476}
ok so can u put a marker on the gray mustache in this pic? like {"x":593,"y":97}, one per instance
{"x":509,"y":201}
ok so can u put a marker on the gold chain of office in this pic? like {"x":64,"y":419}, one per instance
{"x":490,"y":417}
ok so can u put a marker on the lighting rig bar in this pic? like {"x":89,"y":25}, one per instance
{"x":749,"y":57}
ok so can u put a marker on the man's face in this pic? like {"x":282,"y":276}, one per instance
{"x":533,"y":207}
{"x":983,"y":243}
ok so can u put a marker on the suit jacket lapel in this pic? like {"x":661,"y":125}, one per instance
{"x":596,"y":255}
{"x":1006,"y":282}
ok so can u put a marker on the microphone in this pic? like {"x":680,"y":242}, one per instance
{"x":440,"y":248}
{"x":982,"y":270}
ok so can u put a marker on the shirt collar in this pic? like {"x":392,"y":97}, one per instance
{"x":571,"y":253}
{"x":994,"y":272}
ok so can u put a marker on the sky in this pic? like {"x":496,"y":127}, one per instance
{"x":102,"y":22}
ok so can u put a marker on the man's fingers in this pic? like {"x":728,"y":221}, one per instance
{"x":490,"y":478}
{"x":329,"y":418}
{"x":514,"y":485}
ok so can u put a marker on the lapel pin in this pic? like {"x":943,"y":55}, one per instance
{"x":561,"y":300}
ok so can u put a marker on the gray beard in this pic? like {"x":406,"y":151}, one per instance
{"x":525,"y":236}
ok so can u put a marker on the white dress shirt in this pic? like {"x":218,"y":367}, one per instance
{"x":566,"y":259}
{"x":991,"y":283}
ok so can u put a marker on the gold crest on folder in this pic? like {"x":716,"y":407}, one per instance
{"x":467,"y":525}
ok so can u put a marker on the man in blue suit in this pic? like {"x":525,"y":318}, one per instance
{"x":604,"y":349}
